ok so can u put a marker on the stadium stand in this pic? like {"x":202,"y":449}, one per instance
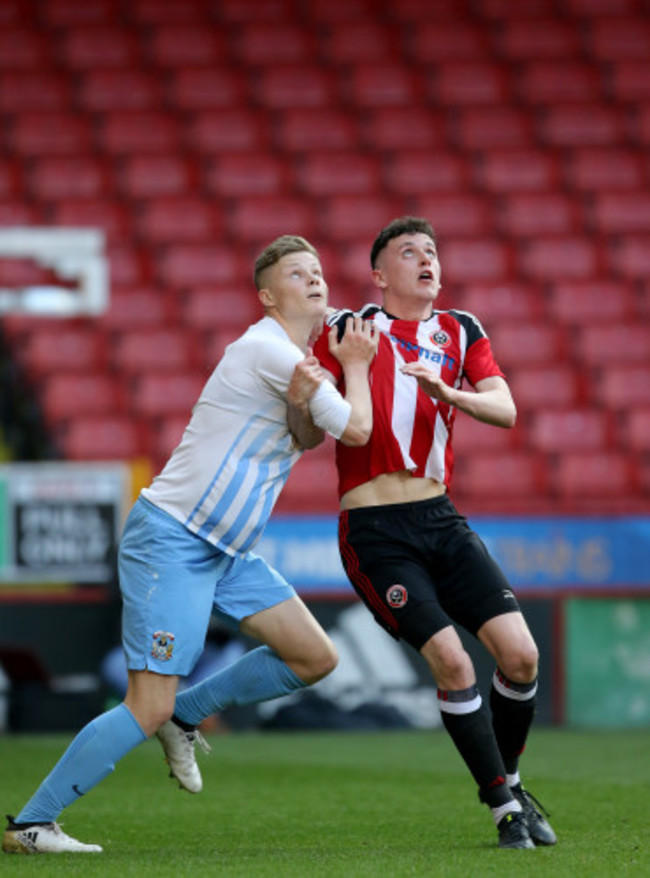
{"x":193,"y":133}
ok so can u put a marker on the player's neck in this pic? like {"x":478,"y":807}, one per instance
{"x":301,"y":332}
{"x":407,"y":309}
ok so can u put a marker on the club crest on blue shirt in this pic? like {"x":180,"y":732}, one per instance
{"x":162,"y":646}
{"x":440,"y":338}
{"x":396,"y":596}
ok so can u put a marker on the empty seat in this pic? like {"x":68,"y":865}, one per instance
{"x":62,"y":348}
{"x":103,"y":213}
{"x":495,"y":301}
{"x":204,"y":88}
{"x":619,"y":213}
{"x":630,"y":256}
{"x":104,"y":90}
{"x":129,"y":265}
{"x":618,"y":38}
{"x":138,"y":131}
{"x":337,"y":173}
{"x":97,"y":46}
{"x":595,"y":168}
{"x":189,"y":265}
{"x":137,"y":307}
{"x":470,"y":435}
{"x":231,"y":175}
{"x":315,"y":129}
{"x":458,"y":83}
{"x":168,"y":433}
{"x":623,"y":388}
{"x":496,"y":127}
{"x":69,"y":395}
{"x":259,"y":220}
{"x":383,"y":128}
{"x":23,"y":48}
{"x":538,"y":213}
{"x":569,"y":430}
{"x":641,"y":124}
{"x":636,"y":432}
{"x":181,"y":45}
{"x":523,"y":39}
{"x":296,"y":85}
{"x":156,"y":396}
{"x":188,"y":218}
{"x":162,"y":350}
{"x":613,"y":343}
{"x":457,"y":216}
{"x":590,"y":301}
{"x":354,"y":42}
{"x":381,"y":85}
{"x":311,"y":487}
{"x":519,"y":344}
{"x":322,"y":11}
{"x":582,"y":124}
{"x":546,"y":386}
{"x":16,"y":212}
{"x":152,"y":12}
{"x":215,"y":131}
{"x":33,"y":90}
{"x":68,"y":177}
{"x":553,"y":258}
{"x":471,"y":260}
{"x":600,"y":7}
{"x":215,"y":308}
{"x":215,"y":344}
{"x":516,"y":170}
{"x":49,"y":133}
{"x":488,"y":475}
{"x":630,"y":81}
{"x":234,"y":12}
{"x":422,"y":171}
{"x":546,"y":82}
{"x":151,"y":176}
{"x":103,"y":437}
{"x":279,"y":42}
{"x":10,"y":178}
{"x":454,"y":40}
{"x":357,"y":217}
{"x":592,"y":475}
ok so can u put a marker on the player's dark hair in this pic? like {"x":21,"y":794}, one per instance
{"x":404,"y":225}
{"x":276,"y":250}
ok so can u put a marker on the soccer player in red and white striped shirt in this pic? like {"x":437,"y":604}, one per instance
{"x":409,"y":554}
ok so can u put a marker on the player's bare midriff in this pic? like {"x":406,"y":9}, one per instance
{"x":399,"y":487}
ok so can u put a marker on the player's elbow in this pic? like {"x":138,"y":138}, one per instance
{"x":356,"y":435}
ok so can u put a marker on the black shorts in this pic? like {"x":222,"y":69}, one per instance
{"x":419,"y":567}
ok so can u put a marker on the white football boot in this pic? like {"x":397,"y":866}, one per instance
{"x":42,"y":838}
{"x":180,"y":756}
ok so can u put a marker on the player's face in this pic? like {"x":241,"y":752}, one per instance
{"x":408,"y":266}
{"x":296,"y":285}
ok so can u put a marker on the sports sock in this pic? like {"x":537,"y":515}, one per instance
{"x":260,"y":675}
{"x":89,"y":759}
{"x":466,"y":719}
{"x":513,"y":708}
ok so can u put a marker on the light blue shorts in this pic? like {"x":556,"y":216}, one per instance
{"x":172,"y":581}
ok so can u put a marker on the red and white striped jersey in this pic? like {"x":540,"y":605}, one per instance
{"x":410,"y":431}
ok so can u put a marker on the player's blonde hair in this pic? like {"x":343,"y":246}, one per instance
{"x":272,"y":254}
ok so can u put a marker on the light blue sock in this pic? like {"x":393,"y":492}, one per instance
{"x":89,"y":758}
{"x":260,"y":675}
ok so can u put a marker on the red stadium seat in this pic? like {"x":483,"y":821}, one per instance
{"x":522,"y":344}
{"x":69,"y":395}
{"x":622,"y":388}
{"x":457,"y":216}
{"x":600,"y":7}
{"x":335,"y":173}
{"x":216,"y":131}
{"x":383,"y":128}
{"x":311,"y":487}
{"x":50,"y":133}
{"x":204,"y":88}
{"x":188,"y":218}
{"x":234,"y":12}
{"x":582,"y":476}
{"x":162,"y":396}
{"x":103,"y":437}
{"x":498,"y":476}
{"x":33,"y":91}
{"x":555,"y":258}
{"x":630,"y":256}
{"x":569,"y":430}
{"x":97,"y":46}
{"x":498,"y":301}
{"x":190,"y":265}
{"x":582,"y":124}
{"x":162,"y":350}
{"x":10,"y":178}
{"x":322,"y":11}
{"x":529,"y":214}
{"x":128,"y":265}
{"x":23,"y":48}
{"x":471,"y":436}
{"x":618,"y":38}
{"x":546,"y":386}
{"x":137,"y":307}
{"x":62,"y":348}
{"x":152,"y":176}
{"x":620,"y":213}
{"x":357,"y":217}
{"x":18,"y":213}
{"x":215,"y":344}
{"x":186,"y":45}
{"x":591,"y":301}
{"x":280,"y":42}
{"x":547,"y":82}
{"x":516,"y":170}
{"x":309,"y":129}
{"x":259,"y":220}
{"x":483,"y":259}
{"x":68,"y":177}
{"x":436,"y":41}
{"x":283,"y":86}
{"x":168,"y":433}
{"x":152,"y":12}
{"x":495,"y":127}
{"x":103,"y":213}
{"x":63,"y":13}
{"x":636,"y":433}
{"x":358,"y":42}
{"x":136,"y":131}
{"x":461,"y":83}
{"x":412,"y":12}
{"x":423,"y":171}
{"x":630,"y":81}
{"x":103,"y":90}
{"x":381,"y":85}
{"x":523,"y":39}
{"x":595,"y":168}
{"x":613,"y":342}
{"x":641,"y":124}
{"x":215,"y":308}
{"x":231,"y":175}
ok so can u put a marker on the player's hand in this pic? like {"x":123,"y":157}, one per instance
{"x":305,"y":381}
{"x":430,"y":382}
{"x":359,"y":343}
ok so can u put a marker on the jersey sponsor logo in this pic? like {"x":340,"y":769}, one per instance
{"x":162,"y":646}
{"x":424,"y":353}
{"x":440,"y":338}
{"x":396,"y":596}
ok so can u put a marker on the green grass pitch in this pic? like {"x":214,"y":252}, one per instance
{"x":343,"y":804}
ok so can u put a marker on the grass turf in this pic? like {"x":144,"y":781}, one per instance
{"x":343,"y":804}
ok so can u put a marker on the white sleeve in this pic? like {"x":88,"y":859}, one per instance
{"x":329,"y":410}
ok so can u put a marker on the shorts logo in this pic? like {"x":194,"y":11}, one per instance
{"x":396,"y":596}
{"x":162,"y":646}
{"x":508,"y":594}
{"x":440,"y":338}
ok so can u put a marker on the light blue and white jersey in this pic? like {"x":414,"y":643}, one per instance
{"x":236,"y":454}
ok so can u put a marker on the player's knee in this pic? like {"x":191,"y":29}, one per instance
{"x":520,"y":664}
{"x":453,"y":669}
{"x":321,"y":663}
